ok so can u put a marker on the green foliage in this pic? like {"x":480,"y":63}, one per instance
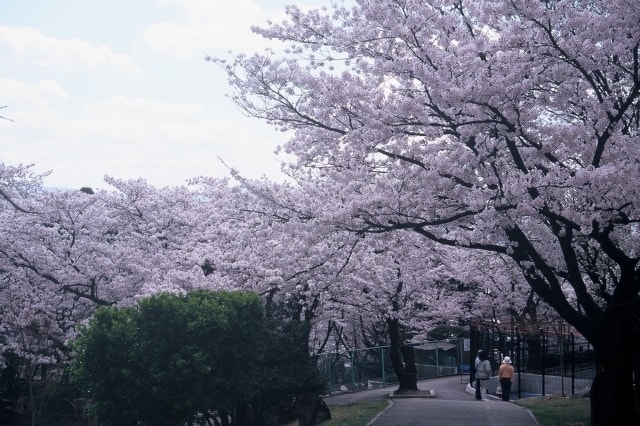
{"x":202,"y":345}
{"x":290,"y":370}
{"x":107,"y":358}
{"x":174,"y":358}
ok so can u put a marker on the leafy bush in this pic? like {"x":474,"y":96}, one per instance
{"x":175,"y":359}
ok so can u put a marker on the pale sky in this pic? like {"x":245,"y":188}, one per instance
{"x":121,"y":88}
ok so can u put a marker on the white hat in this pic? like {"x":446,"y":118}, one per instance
{"x":506,"y":360}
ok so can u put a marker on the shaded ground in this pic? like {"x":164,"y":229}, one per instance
{"x":452,"y":404}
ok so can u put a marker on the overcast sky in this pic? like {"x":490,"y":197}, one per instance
{"x":121,"y":88}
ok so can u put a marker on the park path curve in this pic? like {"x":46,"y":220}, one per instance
{"x":453,"y":404}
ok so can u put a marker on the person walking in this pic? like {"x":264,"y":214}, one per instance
{"x":483,"y":372}
{"x":505,"y":376}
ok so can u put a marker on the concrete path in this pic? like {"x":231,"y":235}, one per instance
{"x":453,"y":404}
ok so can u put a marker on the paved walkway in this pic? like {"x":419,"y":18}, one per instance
{"x":453,"y":404}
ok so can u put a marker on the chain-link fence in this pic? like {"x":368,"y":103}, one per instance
{"x":361,"y":369}
{"x":546,"y":362}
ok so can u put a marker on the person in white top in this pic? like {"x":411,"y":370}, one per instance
{"x":483,"y":372}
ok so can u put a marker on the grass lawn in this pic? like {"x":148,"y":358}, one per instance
{"x":356,"y":414}
{"x":548,"y":410}
{"x":558,"y":410}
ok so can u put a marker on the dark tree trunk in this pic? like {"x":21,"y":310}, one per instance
{"x":242,"y":415}
{"x":410,"y":378}
{"x":610,"y":330}
{"x":311,"y":410}
{"x":613,"y":401}
{"x":636,"y":364}
{"x":534,"y":352}
{"x":402,"y":359}
{"x":224,"y":417}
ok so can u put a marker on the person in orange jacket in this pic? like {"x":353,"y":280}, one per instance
{"x":505,"y":375}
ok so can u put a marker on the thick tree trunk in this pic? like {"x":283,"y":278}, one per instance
{"x":224,"y":417}
{"x":534,"y":351}
{"x":242,"y":415}
{"x":613,"y":400}
{"x":410,"y":378}
{"x":402,"y":359}
{"x":636,"y":365}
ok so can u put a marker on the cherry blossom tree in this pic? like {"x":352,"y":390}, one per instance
{"x":29,"y":340}
{"x":390,"y":284}
{"x":266,"y":238}
{"x":63,"y":253}
{"x":504,"y":126}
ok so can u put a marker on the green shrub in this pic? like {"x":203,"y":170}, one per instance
{"x":175,"y":359}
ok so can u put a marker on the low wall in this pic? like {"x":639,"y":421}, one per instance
{"x":532,"y":385}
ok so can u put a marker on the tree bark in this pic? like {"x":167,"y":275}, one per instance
{"x":610,"y":330}
{"x":224,"y":417}
{"x":534,"y":351}
{"x":402,"y":359}
{"x":613,"y":401}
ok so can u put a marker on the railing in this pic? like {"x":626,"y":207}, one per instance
{"x":361,"y":369}
{"x":545,"y":362}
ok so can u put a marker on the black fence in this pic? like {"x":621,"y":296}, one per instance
{"x":546,"y":361}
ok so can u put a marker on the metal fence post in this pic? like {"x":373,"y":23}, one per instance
{"x":473,"y":349}
{"x":353,"y":369}
{"x":573,"y":364}
{"x":384,"y":378}
{"x":519,"y":363}
{"x":328,"y":361}
{"x":544,"y":351}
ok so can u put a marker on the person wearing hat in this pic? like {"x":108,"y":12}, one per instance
{"x":505,"y":375}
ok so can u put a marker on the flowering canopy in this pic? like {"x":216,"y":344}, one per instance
{"x":508,"y":126}
{"x":505,"y":126}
